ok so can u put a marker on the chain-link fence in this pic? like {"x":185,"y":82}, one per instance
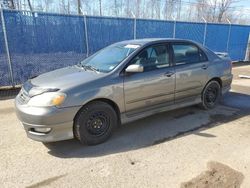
{"x":32,"y":43}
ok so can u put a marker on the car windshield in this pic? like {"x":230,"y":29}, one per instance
{"x":108,"y":58}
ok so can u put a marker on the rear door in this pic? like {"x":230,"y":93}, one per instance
{"x":191,"y":69}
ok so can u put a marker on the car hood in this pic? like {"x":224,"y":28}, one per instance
{"x":65,"y":78}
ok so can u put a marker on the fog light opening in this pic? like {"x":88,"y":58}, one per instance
{"x":41,"y":130}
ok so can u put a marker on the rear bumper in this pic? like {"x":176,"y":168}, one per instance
{"x":226,"y":83}
{"x":59,"y":122}
{"x":225,"y":90}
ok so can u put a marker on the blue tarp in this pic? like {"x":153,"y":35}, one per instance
{"x":40,"y":42}
{"x":103,"y":31}
{"x":191,"y":31}
{"x":154,"y":29}
{"x":5,"y":79}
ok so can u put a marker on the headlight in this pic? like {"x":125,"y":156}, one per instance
{"x":47,"y":99}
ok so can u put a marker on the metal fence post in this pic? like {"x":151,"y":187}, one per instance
{"x":7,"y":48}
{"x":247,"y":54}
{"x":229,"y":34}
{"x":205,"y":32}
{"x":174,"y":29}
{"x":135,"y":24}
{"x":86,"y":35}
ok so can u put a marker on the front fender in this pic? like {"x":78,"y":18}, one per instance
{"x":84,"y":94}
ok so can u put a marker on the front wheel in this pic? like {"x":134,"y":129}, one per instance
{"x":94,"y":123}
{"x":211,"y":95}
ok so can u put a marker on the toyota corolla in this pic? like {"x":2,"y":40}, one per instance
{"x":121,"y":83}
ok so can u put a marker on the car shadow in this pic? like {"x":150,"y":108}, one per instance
{"x":159,"y":128}
{"x":6,"y":94}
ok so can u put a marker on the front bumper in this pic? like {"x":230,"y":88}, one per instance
{"x":58,"y":120}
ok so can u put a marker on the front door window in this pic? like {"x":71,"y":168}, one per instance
{"x":153,"y":58}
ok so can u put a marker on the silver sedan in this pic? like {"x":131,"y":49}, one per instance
{"x":121,"y":83}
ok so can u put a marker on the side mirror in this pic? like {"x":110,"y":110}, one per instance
{"x":134,"y":68}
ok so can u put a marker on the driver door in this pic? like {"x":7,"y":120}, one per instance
{"x":155,"y":85}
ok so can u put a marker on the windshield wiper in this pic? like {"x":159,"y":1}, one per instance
{"x":89,"y":67}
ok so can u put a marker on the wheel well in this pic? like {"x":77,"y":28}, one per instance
{"x":108,"y":101}
{"x":216,"y":79}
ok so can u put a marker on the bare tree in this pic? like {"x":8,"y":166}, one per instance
{"x":68,"y":7}
{"x":158,"y":9}
{"x":18,"y":5}
{"x":201,"y":5}
{"x":215,"y":10}
{"x":189,"y":10}
{"x":12,"y":5}
{"x":87,"y":6}
{"x":8,"y":4}
{"x":170,"y":8}
{"x":155,"y":9}
{"x":116,"y":8}
{"x":127,"y":8}
{"x":63,"y":7}
{"x":151,"y":8}
{"x":30,"y":7}
{"x":224,"y":6}
{"x":166,"y":9}
{"x":138,"y":10}
{"x":100,"y":7}
{"x":79,"y":6}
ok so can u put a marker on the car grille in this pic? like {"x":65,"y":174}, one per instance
{"x":23,"y":97}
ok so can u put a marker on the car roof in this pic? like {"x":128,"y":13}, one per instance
{"x":152,"y":40}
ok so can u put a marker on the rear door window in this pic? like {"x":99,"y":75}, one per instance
{"x":187,"y":54}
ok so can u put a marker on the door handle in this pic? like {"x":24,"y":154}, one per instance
{"x":168,"y":74}
{"x":204,"y":67}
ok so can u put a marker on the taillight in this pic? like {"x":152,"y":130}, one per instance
{"x":231,"y":65}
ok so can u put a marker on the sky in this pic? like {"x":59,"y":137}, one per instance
{"x":240,"y":10}
{"x":242,"y":7}
{"x":244,"y":3}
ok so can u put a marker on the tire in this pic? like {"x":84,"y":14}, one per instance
{"x":211,"y":95}
{"x":95,"y":123}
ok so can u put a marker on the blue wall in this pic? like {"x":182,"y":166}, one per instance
{"x":154,"y":28}
{"x":40,"y":42}
{"x":103,"y":31}
{"x":4,"y":69}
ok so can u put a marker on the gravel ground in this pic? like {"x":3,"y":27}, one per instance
{"x":183,"y":148}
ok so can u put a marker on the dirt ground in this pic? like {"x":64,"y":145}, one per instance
{"x":218,"y":176}
{"x":184,"y":148}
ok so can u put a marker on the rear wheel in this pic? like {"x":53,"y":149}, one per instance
{"x":95,"y":123}
{"x":211,"y":95}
